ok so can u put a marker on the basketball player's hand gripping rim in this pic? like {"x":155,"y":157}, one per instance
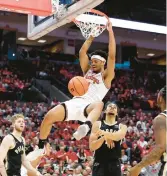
{"x":109,"y":26}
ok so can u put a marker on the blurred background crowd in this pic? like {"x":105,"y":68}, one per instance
{"x":34,"y":76}
{"x":134,"y":92}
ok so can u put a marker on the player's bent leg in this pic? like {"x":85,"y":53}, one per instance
{"x":93,"y":111}
{"x":57,"y":114}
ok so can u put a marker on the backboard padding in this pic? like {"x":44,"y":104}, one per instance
{"x":51,"y":23}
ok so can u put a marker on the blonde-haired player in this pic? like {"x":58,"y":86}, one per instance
{"x":13,"y":149}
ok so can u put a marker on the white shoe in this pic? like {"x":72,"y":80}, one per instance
{"x":81,"y":132}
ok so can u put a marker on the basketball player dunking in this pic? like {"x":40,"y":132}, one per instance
{"x":86,"y":108}
{"x":105,"y":140}
{"x":159,"y":152}
{"x":13,"y":149}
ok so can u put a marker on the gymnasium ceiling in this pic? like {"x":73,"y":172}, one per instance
{"x":148,"y":11}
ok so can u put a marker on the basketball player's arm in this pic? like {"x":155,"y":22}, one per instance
{"x":94,"y":142}
{"x":109,"y":72}
{"x":159,"y":126}
{"x":4,"y":148}
{"x":117,"y":136}
{"x":83,"y":57}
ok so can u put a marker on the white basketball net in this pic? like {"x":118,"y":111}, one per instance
{"x":90,"y":28}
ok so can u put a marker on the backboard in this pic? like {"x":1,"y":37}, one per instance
{"x":37,"y":7}
{"x":40,"y":26}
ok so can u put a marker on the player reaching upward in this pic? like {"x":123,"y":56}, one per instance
{"x":86,"y":108}
{"x":159,"y":152}
{"x":13,"y":149}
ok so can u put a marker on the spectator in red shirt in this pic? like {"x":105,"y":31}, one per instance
{"x":71,"y":156}
{"x":61,"y":154}
{"x":66,"y":135}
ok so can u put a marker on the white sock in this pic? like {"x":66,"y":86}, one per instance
{"x":87,"y":128}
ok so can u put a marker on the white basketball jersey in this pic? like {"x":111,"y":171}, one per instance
{"x":164,"y":113}
{"x":97,"y":89}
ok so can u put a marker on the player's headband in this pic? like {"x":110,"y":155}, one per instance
{"x":99,"y":58}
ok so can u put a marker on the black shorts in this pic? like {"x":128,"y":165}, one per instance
{"x":13,"y":174}
{"x":163,"y":170}
{"x":111,"y":168}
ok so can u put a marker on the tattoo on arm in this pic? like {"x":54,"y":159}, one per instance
{"x":152,"y":157}
{"x":87,"y":43}
{"x":159,"y":131}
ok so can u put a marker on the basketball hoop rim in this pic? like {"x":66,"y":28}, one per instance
{"x":95,"y":12}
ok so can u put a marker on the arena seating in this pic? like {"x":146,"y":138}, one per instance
{"x":135,"y":93}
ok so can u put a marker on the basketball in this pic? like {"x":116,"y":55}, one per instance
{"x":78,"y":86}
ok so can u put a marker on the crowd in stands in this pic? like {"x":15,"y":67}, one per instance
{"x":10,"y":81}
{"x":128,"y":89}
{"x":74,"y":157}
{"x":134,"y":93}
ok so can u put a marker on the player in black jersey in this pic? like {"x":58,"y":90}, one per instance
{"x":105,"y":140}
{"x":13,"y":149}
{"x":159,"y":151}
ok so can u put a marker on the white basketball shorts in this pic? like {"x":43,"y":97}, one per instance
{"x":76,"y":109}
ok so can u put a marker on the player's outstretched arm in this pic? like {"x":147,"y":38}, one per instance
{"x":117,"y":136}
{"x":109,"y":72}
{"x":4,"y":148}
{"x":159,"y":126}
{"x":94,"y":141}
{"x":83,"y":57}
